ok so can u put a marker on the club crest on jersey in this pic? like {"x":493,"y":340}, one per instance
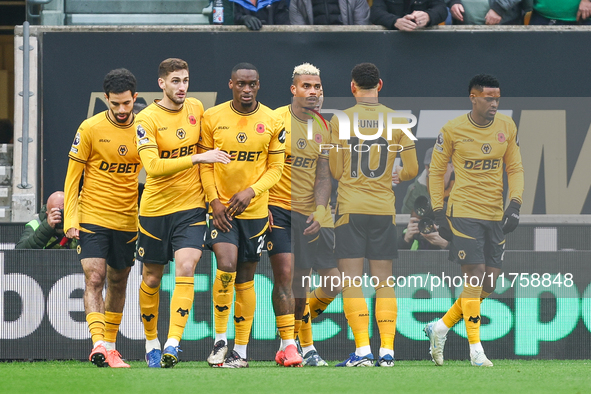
{"x":192,"y":120}
{"x":181,"y":134}
{"x":259,"y":128}
{"x":501,"y":137}
{"x":241,"y":137}
{"x":281,"y":137}
{"x":141,"y":133}
{"x":76,"y":140}
{"x":122,"y":150}
{"x":486,"y":148}
{"x":318,"y":138}
{"x":302,"y":143}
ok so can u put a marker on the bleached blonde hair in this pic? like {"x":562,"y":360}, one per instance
{"x":305,"y":69}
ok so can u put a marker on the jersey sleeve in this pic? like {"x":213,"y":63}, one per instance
{"x":82,"y":144}
{"x":206,"y":170}
{"x":79,"y":155}
{"x":441,"y":153}
{"x":147,"y":147}
{"x":336,"y":157}
{"x":75,"y":169}
{"x":275,"y":159}
{"x":408,"y":156}
{"x":514,"y":167}
{"x":326,"y":137}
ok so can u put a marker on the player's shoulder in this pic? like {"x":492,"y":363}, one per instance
{"x":282,"y":111}
{"x":458,"y":121}
{"x":266,"y":111}
{"x":217,"y":109}
{"x":147,"y":113}
{"x":96,"y":120}
{"x":504,"y":120}
{"x":194,"y":103}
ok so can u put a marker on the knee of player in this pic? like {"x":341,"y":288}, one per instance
{"x":95,"y":280}
{"x":282,"y":277}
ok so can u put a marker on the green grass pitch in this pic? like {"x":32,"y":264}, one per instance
{"x":518,"y":376}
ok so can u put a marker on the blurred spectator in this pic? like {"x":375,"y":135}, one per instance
{"x":408,"y":15}
{"x":329,"y":12}
{"x":420,"y":187}
{"x":488,"y":12}
{"x":561,"y":12}
{"x":47,"y":231}
{"x":6,"y":131}
{"x":138,"y":107}
{"x":264,"y":12}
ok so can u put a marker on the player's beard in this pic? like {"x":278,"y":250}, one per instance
{"x":115,"y":116}
{"x":175,"y":99}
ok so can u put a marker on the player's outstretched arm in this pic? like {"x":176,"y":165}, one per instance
{"x":157,"y":167}
{"x":211,"y":156}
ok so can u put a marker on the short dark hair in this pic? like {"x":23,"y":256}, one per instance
{"x":244,"y":66}
{"x":118,"y":81}
{"x":481,"y":81}
{"x":171,"y":65}
{"x":366,"y":75}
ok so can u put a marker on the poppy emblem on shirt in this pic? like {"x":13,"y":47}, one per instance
{"x":318,"y":138}
{"x":192,"y":120}
{"x":260,"y":128}
{"x":501,"y":137}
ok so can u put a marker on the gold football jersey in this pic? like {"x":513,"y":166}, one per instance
{"x":105,"y":151}
{"x":166,"y":140}
{"x":478,"y":154}
{"x":295,"y":189}
{"x":256,"y":143}
{"x":365,"y":166}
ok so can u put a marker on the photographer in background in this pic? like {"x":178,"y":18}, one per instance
{"x":420,"y":233}
{"x":420,"y":187}
{"x":47,"y":230}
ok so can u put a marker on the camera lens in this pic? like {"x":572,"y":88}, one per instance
{"x":426,"y":225}
{"x":60,"y":225}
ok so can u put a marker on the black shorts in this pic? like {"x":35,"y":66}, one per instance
{"x":247,"y":234}
{"x":312,"y":251}
{"x":480,"y":242}
{"x":116,"y":247}
{"x":161,"y":236}
{"x":369,"y":236}
{"x":279,"y":239}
